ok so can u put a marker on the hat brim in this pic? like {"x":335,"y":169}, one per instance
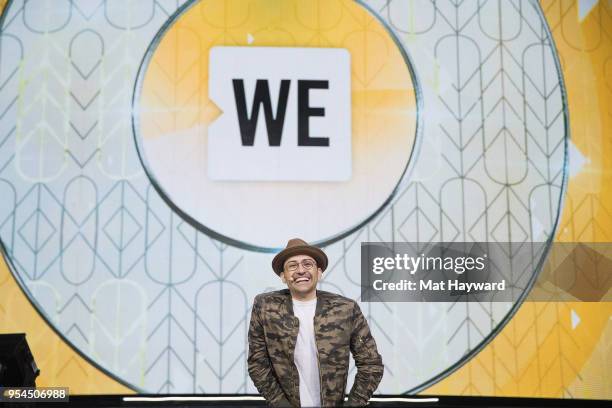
{"x":318,"y":255}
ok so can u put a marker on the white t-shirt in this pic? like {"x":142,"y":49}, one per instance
{"x":305,"y":356}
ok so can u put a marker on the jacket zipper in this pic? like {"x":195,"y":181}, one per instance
{"x":293,"y":363}
{"x":319,"y":367}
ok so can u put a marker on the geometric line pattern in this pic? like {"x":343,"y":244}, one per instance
{"x":165,"y":307}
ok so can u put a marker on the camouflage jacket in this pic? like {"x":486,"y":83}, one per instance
{"x":339,"y":328}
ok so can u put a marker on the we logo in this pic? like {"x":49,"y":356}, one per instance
{"x":286,"y":114}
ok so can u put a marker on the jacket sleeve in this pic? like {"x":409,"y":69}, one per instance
{"x":260,"y":369}
{"x":367,"y":360}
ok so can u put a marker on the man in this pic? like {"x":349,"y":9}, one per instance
{"x":300,"y":338}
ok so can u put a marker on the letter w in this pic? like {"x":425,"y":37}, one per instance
{"x":274,"y":124}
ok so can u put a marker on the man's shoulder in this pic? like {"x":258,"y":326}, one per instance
{"x":336,"y":299}
{"x":273,"y":296}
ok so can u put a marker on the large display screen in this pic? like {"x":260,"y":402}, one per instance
{"x":155,"y":155}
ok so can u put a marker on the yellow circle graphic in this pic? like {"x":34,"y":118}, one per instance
{"x":175,"y":112}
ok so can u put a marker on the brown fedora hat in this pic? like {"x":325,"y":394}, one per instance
{"x":297,"y":246}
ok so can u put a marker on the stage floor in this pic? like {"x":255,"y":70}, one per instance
{"x":378,"y":401}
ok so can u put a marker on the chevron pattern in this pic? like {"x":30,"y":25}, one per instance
{"x":164,"y":307}
{"x":562,"y":349}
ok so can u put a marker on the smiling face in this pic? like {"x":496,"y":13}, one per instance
{"x":301,"y":274}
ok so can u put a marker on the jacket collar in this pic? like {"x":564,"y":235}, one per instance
{"x":322,"y":300}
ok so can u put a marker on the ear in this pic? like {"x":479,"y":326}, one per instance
{"x":282,"y":276}
{"x":320,"y":273}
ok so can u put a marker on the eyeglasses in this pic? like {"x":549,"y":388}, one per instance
{"x":307,"y":264}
